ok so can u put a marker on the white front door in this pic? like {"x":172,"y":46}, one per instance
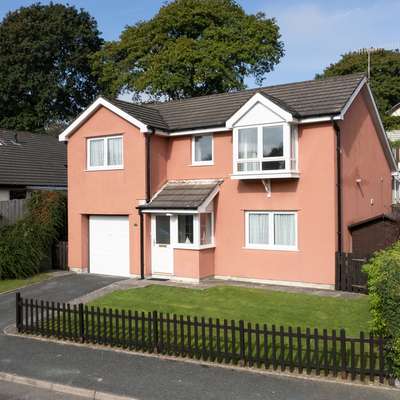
{"x":162,"y":255}
{"x":109,"y":245}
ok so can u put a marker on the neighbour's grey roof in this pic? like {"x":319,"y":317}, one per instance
{"x":32,"y":159}
{"x":182,"y":195}
{"x":311,"y":98}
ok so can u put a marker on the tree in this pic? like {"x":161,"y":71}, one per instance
{"x":45,"y":70}
{"x":385,"y":78}
{"x":190,"y":48}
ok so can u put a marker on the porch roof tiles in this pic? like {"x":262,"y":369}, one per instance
{"x":183,"y":195}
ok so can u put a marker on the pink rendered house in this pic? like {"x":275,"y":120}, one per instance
{"x":258,"y":185}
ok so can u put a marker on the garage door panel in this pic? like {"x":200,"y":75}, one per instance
{"x":109,"y":245}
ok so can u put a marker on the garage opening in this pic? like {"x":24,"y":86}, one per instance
{"x":109,"y":245}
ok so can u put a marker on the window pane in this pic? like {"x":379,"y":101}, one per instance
{"x":247,"y":142}
{"x":273,"y":141}
{"x":185,"y":229}
{"x":163,"y":229}
{"x":114,"y":151}
{"x":285,"y":229}
{"x":203,"y":148}
{"x":205,"y":228}
{"x":96,"y":151}
{"x":271,"y":165}
{"x":258,"y":228}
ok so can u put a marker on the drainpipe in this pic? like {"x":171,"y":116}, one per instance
{"x":339,"y":193}
{"x":148,"y":195}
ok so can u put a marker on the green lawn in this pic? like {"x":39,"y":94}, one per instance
{"x":251,"y":305}
{"x":11,"y":284}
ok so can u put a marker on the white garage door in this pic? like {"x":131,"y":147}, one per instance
{"x":109,"y":245}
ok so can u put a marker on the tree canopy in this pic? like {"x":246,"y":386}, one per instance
{"x":190,"y":48}
{"x":45,"y":67}
{"x":385,"y":78}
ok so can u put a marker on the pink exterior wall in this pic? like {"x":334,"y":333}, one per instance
{"x":362,"y":158}
{"x":193,"y":264}
{"x":313,"y":196}
{"x":104,"y":192}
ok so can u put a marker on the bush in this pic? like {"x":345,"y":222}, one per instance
{"x":24,"y":245}
{"x":384,"y":293}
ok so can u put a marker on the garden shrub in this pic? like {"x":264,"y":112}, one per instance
{"x":25,"y":244}
{"x":384,"y":294}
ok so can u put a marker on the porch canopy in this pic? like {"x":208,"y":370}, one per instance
{"x":192,"y":196}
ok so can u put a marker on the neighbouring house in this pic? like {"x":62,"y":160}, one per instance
{"x":29,"y":162}
{"x":394,"y":138}
{"x":259,"y":185}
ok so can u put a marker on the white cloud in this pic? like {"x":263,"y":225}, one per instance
{"x":316,"y":35}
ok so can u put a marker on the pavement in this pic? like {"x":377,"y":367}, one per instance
{"x":15,"y":391}
{"x":143,"y":377}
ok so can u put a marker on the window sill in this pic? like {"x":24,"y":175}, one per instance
{"x":273,"y":248}
{"x":193,"y":247}
{"x":202,"y":164}
{"x":104,"y":169}
{"x":267,"y":175}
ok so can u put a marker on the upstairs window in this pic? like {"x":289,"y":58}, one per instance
{"x":104,"y":153}
{"x":202,"y":150}
{"x":265,"y":148}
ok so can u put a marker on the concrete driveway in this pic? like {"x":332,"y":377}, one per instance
{"x":145,"y":377}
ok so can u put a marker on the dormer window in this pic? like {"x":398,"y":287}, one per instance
{"x":264,"y":140}
{"x":265,"y":148}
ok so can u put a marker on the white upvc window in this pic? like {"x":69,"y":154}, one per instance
{"x":202,"y":149}
{"x":265,"y":148}
{"x":271,"y":230}
{"x":105,"y":153}
{"x":193,"y":231}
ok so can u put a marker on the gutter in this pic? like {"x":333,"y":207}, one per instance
{"x":338,"y":193}
{"x":148,"y":195}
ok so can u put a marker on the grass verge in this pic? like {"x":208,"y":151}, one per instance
{"x":251,"y":305}
{"x":12,"y":284}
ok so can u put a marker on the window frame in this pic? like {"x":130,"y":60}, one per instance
{"x":202,"y":163}
{"x":105,"y":166}
{"x":271,"y":231}
{"x":196,"y":232}
{"x":290,"y":146}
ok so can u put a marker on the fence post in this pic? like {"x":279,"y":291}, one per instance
{"x":18,"y":311}
{"x":242,"y":360}
{"x":155,"y":332}
{"x":81,"y":322}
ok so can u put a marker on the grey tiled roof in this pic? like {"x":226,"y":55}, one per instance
{"x":182,"y":195}
{"x":33,"y":159}
{"x":303,"y":99}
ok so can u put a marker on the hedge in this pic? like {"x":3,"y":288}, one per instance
{"x":384,"y":295}
{"x":24,"y":245}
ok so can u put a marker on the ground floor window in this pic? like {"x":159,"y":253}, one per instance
{"x":185,"y":229}
{"x":194,"y":230}
{"x":275,"y":230}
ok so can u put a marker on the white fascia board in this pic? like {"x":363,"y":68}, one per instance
{"x":199,"y":131}
{"x":352,"y":97}
{"x":208,"y":200}
{"x":258,"y":98}
{"x":101,"y":102}
{"x":382,"y":130}
{"x":314,"y":120}
{"x":169,"y":211}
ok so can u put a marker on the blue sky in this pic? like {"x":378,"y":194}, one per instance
{"x":315,"y":32}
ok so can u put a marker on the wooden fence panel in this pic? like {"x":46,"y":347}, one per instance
{"x":60,"y":255}
{"x":238,"y":343}
{"x":349,"y":274}
{"x":11,"y":211}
